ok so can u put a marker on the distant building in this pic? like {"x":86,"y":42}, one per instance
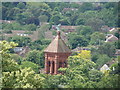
{"x":18,"y":49}
{"x":104,"y":68}
{"x":111,"y":38}
{"x":80,"y":3}
{"x":113,"y":30}
{"x":24,"y":51}
{"x":117,"y":53}
{"x":21,"y":50}
{"x":79,"y":49}
{"x":7,"y":21}
{"x":105,"y":28}
{"x":111,"y":62}
{"x":66,"y":28}
{"x":49,"y":35}
{"x":33,"y":35}
{"x":69,"y":9}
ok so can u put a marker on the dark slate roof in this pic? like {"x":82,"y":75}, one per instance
{"x":57,"y":46}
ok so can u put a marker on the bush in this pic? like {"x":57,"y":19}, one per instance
{"x":31,"y":27}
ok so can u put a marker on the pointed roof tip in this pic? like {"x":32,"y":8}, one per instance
{"x":58,"y":34}
{"x":57,"y":45}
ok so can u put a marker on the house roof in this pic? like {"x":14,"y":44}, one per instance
{"x":70,"y":9}
{"x":117,"y":52}
{"x":113,"y":30}
{"x":68,"y":27}
{"x":109,"y":63}
{"x":104,"y":68}
{"x":111,"y":38}
{"x":57,"y":46}
{"x":79,"y":48}
{"x":65,"y":27}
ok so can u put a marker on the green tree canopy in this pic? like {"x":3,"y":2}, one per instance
{"x":97,"y":38}
{"x":76,"y":40}
{"x":8,"y":64}
{"x":107,"y":48}
{"x":22,"y":41}
{"x":36,"y":57}
{"x":23,"y":78}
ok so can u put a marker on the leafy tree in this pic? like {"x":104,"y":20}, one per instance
{"x":68,"y":14}
{"x":32,"y":20}
{"x":31,"y":27}
{"x":23,"y":17}
{"x":86,"y":6}
{"x":88,"y":14}
{"x":39,"y":44}
{"x":17,"y":58}
{"x":95,"y":56}
{"x":16,"y":26}
{"x":77,"y":40}
{"x":43,"y":18}
{"x":64,"y":21}
{"x":95,"y":75}
{"x":84,"y":54}
{"x":80,"y":21}
{"x":77,"y":67}
{"x":22,"y":41}
{"x":7,"y":31}
{"x":102,"y":59}
{"x":36,"y":57}
{"x":12,"y":75}
{"x":38,"y":9}
{"x":108,"y":16}
{"x":9,"y":11}
{"x":117,"y":44}
{"x":73,"y":18}
{"x":23,"y":78}
{"x":45,"y":41}
{"x":107,"y":48}
{"x":115,"y":68}
{"x":97,"y":38}
{"x":74,"y":5}
{"x":31,"y":65}
{"x":109,"y":5}
{"x":52,"y":81}
{"x":110,"y":81}
{"x":95,"y":23}
{"x":21,"y":5}
{"x":54,"y":33}
{"x":57,"y":9}
{"x":117,"y":34}
{"x":84,"y":30}
{"x":8,"y":64}
{"x":7,"y":26}
{"x":55,"y":19}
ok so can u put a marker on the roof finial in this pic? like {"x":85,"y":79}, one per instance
{"x":58,"y":33}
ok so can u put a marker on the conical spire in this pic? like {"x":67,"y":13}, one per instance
{"x":57,"y":45}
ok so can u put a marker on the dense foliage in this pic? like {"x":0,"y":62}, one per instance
{"x":83,"y":66}
{"x":55,"y":13}
{"x":81,"y":73}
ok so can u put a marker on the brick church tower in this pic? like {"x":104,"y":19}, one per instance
{"x":56,"y":55}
